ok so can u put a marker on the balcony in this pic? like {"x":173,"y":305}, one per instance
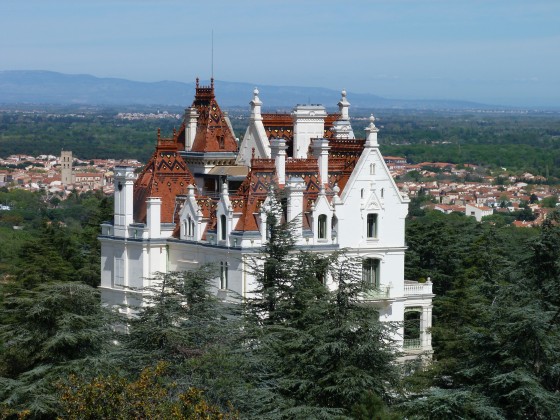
{"x":377,"y":294}
{"x":412,"y":344}
{"x":413,"y":288}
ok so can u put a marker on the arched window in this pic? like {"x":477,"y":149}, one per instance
{"x":223,"y":226}
{"x":192,"y":227}
{"x":371,"y":228}
{"x":372,"y":169}
{"x":412,"y":328}
{"x":185,"y":228}
{"x":322,"y":227}
{"x":370,"y":272}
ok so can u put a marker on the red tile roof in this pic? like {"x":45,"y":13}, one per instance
{"x":212,"y":132}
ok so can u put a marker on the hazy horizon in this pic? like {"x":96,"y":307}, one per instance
{"x":493,"y":51}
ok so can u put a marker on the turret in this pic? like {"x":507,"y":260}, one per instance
{"x":124,"y":186}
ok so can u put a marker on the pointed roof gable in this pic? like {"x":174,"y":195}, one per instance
{"x":213,"y":134}
{"x":166,"y":175}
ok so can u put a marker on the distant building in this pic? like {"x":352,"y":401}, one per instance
{"x":478,"y":212}
{"x":66,"y":167}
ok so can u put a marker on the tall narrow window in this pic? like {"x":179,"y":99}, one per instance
{"x":382,"y":192}
{"x":370,"y":272}
{"x":372,"y":169}
{"x":371,"y":228}
{"x":322,"y":226}
{"x":223,"y":275}
{"x":334,"y":225}
{"x":223,"y":226}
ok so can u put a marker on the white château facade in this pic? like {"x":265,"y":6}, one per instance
{"x":203,"y":199}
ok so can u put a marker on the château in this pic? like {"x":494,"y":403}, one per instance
{"x":203,"y":197}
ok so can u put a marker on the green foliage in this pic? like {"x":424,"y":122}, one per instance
{"x":56,"y":244}
{"x":46,"y":333}
{"x":149,"y":397}
{"x":319,"y":350}
{"x":502,"y":352}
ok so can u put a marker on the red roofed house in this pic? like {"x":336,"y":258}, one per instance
{"x":201,"y":199}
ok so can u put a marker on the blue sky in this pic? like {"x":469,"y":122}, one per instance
{"x":492,"y":51}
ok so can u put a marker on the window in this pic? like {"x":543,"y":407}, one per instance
{"x":334,"y":225}
{"x":372,"y":169}
{"x":223,"y":275}
{"x":221,"y":144}
{"x":371,"y":228}
{"x":370,"y":272}
{"x":223,"y":226}
{"x":322,"y":226}
{"x":382,"y":192}
{"x":412,"y":328}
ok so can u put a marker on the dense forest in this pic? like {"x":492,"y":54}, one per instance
{"x":297,"y":350}
{"x":516,"y":141}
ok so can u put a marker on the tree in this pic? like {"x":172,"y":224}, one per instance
{"x":319,"y":351}
{"x":47,"y":333}
{"x":509,"y":363}
{"x":148,"y":397}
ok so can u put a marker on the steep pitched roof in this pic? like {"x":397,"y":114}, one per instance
{"x":212,"y":133}
{"x":166,"y":175}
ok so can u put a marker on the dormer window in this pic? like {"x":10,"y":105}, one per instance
{"x":221,"y":143}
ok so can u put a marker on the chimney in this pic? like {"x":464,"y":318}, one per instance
{"x":153,"y":217}
{"x":320,"y":149}
{"x":191,"y":119}
{"x":309,"y":122}
{"x":278,"y":153}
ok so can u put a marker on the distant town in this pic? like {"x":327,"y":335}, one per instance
{"x":445,"y":184}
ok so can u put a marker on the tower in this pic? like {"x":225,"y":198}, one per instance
{"x":66,"y":171}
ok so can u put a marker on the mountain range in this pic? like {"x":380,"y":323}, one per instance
{"x":47,"y":87}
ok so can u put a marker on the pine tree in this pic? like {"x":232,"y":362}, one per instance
{"x":47,"y":333}
{"x":319,"y":351}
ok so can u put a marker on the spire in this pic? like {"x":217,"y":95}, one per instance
{"x":256,"y":106}
{"x":371,"y":133}
{"x":343,"y":106}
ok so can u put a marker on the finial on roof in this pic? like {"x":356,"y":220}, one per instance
{"x":343,"y":93}
{"x":197,"y":80}
{"x":174,"y":131}
{"x":371,"y":120}
{"x":253,"y":153}
{"x":159,"y":133}
{"x":256,"y":91}
{"x":212,"y":82}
